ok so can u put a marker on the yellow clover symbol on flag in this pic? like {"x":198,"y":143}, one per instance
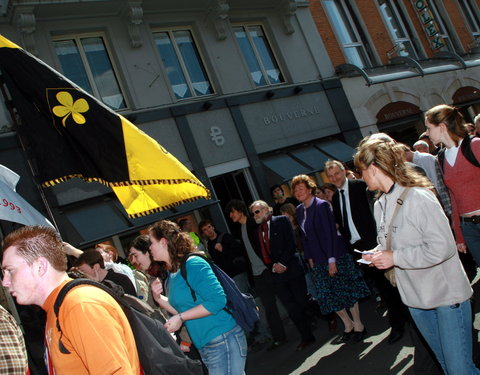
{"x":69,"y":107}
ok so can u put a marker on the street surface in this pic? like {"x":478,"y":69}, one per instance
{"x":373,"y":356}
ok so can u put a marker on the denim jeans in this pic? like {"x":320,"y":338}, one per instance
{"x":226,"y":354}
{"x":448,"y":331}
{"x":471,"y":233}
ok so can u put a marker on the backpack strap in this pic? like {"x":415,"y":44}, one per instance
{"x":183,"y":270}
{"x":468,"y":153}
{"x":63,"y":293}
{"x":466,"y":149}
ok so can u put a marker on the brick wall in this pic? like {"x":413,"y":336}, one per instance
{"x":378,"y":33}
{"x":326,"y":32}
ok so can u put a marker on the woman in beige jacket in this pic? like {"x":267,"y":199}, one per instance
{"x":422,"y":251}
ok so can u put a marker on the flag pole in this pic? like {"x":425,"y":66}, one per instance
{"x":16,"y":119}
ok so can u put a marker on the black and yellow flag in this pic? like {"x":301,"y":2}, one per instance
{"x":72,"y":134}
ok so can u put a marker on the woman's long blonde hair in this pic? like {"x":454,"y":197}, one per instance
{"x":388,"y":156}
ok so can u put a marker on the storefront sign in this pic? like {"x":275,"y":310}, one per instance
{"x":397,"y":110}
{"x":466,"y":94}
{"x":291,"y":115}
{"x":429,"y":24}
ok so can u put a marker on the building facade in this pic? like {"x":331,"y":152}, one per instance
{"x":397,"y":59}
{"x":242,"y":92}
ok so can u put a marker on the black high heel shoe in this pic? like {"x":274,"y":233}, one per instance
{"x":359,"y":336}
{"x":346,"y":336}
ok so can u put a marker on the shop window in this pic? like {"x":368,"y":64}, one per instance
{"x":258,"y":55}
{"x":348,"y":32}
{"x":398,"y":28}
{"x":183,"y":63}
{"x":471,"y":13}
{"x":86,"y":61}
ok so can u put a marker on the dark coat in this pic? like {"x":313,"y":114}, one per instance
{"x":282,"y":246}
{"x":231,"y":259}
{"x":319,"y":233}
{"x":283,"y":249}
{"x":361,"y":209}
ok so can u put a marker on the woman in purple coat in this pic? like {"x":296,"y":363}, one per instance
{"x":339,"y":283}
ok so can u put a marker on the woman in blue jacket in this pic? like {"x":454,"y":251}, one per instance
{"x":339,"y":284}
{"x":220,"y":341}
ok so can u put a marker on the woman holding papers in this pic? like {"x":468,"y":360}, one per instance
{"x":415,"y":238}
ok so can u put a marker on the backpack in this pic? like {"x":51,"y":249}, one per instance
{"x":157,"y":350}
{"x":466,"y":151}
{"x":241,"y":306}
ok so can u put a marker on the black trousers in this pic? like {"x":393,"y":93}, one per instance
{"x":265,"y":290}
{"x":398,"y":313}
{"x":292,"y":292}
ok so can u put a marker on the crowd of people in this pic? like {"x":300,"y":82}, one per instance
{"x":394,"y":228}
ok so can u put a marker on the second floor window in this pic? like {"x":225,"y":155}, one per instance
{"x":258,"y":55}
{"x":86,"y":62}
{"x":397,"y":28}
{"x":181,"y":59}
{"x":470,"y":12}
{"x":347,"y":32}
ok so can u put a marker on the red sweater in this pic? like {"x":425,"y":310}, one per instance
{"x":463,"y":182}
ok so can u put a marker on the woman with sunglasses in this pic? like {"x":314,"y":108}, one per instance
{"x":414,"y":238}
{"x":218,"y":338}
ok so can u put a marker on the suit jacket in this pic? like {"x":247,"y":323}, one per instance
{"x":361,"y":209}
{"x":282,"y":247}
{"x":319,"y":233}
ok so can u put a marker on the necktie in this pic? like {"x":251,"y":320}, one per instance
{"x":346,"y":229}
{"x":264,"y":242}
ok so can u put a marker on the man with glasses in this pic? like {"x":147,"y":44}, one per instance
{"x":285,"y":272}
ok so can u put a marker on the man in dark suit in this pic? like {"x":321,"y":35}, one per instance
{"x":352,"y":208}
{"x":285,"y":273}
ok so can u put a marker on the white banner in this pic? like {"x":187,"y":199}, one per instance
{"x":12,"y":206}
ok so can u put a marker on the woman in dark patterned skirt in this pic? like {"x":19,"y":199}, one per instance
{"x":339,"y":283}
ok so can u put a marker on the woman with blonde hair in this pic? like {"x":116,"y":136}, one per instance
{"x":338,"y":282}
{"x":414,"y":238}
{"x":218,"y":338}
{"x":445,"y":124}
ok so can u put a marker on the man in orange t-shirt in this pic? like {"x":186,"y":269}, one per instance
{"x":95,"y":330}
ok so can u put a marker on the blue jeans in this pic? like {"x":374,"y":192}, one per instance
{"x":226,"y":354}
{"x":448,"y":331}
{"x":471,"y":233}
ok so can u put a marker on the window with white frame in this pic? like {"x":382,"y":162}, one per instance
{"x":471,"y":14}
{"x":183,"y":64}
{"x":258,"y":55}
{"x":86,"y":62}
{"x":397,"y":28}
{"x":348,"y":33}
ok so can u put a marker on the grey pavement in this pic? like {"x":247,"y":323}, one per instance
{"x":372,"y":356}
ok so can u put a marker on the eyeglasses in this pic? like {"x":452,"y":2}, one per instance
{"x":256,"y":212}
